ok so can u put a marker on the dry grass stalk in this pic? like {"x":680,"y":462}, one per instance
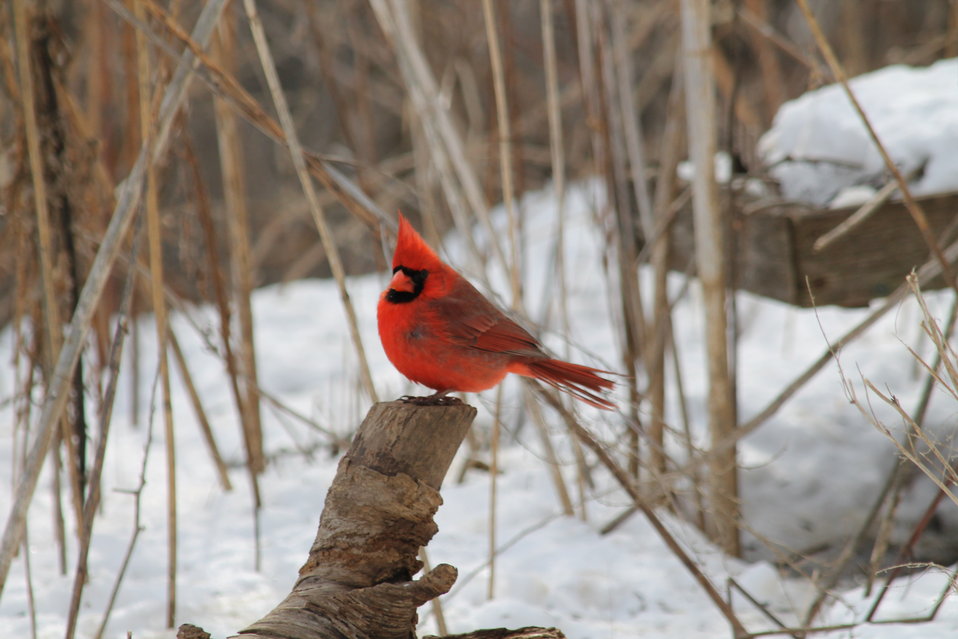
{"x":549,"y":453}
{"x":42,"y":162}
{"x":494,"y":438}
{"x":935,"y":463}
{"x":241,"y":268}
{"x":612,"y":163}
{"x":710,"y":260}
{"x":221,"y":300}
{"x":128,"y":197}
{"x":557,"y":165}
{"x":505,"y":150}
{"x":659,"y":329}
{"x":22,"y":26}
{"x":92,"y":502}
{"x":157,"y":286}
{"x":627,"y":483}
{"x":137,"y":528}
{"x":292,"y":140}
{"x":205,"y":429}
{"x":556,"y":154}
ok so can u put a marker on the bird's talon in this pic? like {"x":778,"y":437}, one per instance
{"x":431,"y":400}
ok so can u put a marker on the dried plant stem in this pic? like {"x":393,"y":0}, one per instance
{"x":615,"y":159}
{"x":653,"y":350}
{"x":584,"y":30}
{"x":129,"y":194}
{"x":92,"y":502}
{"x":634,"y":144}
{"x":28,"y":576}
{"x":557,"y":160}
{"x":155,"y":242}
{"x":219,"y":291}
{"x":710,"y":261}
{"x":137,"y":494}
{"x":658,"y":329}
{"x":51,"y":309}
{"x":548,"y":451}
{"x":48,"y":203}
{"x":626,"y":482}
{"x":241,"y":268}
{"x":319,"y":218}
{"x":556,"y":154}
{"x":40,"y":200}
{"x":914,"y":209}
{"x":205,"y":429}
{"x":493,"y":493}
{"x":505,"y":149}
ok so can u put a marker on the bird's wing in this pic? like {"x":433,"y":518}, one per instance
{"x":472,"y":320}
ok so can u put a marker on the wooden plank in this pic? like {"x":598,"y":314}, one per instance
{"x":773,"y":249}
{"x":872,"y":260}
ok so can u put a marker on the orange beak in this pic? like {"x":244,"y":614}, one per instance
{"x":402,"y":282}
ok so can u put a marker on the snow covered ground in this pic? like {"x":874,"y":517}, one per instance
{"x":819,"y":149}
{"x":809,"y":474}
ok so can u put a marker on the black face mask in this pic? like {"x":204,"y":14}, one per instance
{"x":418,"y":279}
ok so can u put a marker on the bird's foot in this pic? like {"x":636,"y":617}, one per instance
{"x":437,"y":399}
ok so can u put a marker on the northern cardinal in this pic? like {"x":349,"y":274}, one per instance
{"x":439,"y":331}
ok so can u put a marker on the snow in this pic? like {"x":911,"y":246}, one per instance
{"x":818,"y":146}
{"x":809,"y":474}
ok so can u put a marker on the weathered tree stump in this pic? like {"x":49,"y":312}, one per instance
{"x":356,"y":582}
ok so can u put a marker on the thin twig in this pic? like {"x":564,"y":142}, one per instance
{"x":205,"y":429}
{"x":241,"y":268}
{"x":493,"y":492}
{"x":865,"y":211}
{"x":137,"y":494}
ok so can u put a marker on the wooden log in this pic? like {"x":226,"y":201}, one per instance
{"x":356,"y":581}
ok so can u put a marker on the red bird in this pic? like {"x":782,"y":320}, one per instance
{"x":439,"y":331}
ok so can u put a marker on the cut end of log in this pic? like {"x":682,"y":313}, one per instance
{"x":419,"y":441}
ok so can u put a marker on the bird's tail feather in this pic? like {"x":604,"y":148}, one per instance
{"x":582,"y":382}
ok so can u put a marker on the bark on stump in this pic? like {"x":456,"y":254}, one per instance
{"x":356,"y":582}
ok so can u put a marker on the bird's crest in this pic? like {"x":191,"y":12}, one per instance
{"x":412,"y":251}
